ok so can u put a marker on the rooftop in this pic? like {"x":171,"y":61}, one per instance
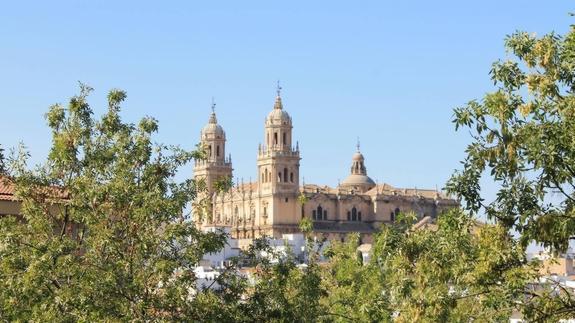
{"x":6,"y":189}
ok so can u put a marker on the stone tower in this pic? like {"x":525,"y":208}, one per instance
{"x":216,"y":166}
{"x":278,"y":171}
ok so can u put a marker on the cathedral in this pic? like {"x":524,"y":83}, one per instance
{"x":275,"y":203}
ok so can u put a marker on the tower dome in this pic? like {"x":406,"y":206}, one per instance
{"x":214,"y":166}
{"x":278,"y":116}
{"x":213,"y":129}
{"x":358,"y":179}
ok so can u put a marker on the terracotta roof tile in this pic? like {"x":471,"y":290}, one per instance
{"x":6,"y":189}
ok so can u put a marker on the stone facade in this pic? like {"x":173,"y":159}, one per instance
{"x":276,"y":203}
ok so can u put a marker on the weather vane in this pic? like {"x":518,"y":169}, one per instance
{"x":213,"y":105}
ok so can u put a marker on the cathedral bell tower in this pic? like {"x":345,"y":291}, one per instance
{"x":278,"y":160}
{"x":278,"y":166}
{"x":216,"y":166}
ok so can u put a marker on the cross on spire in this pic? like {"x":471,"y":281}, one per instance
{"x":358,"y":144}
{"x":213,"y":105}
{"x":279,"y":88}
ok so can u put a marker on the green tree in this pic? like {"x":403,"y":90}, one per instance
{"x":524,"y":140}
{"x":2,"y":161}
{"x":284,"y":292}
{"x":447,"y":273}
{"x":103,"y":235}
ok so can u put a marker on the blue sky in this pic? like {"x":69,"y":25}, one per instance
{"x":389,"y":72}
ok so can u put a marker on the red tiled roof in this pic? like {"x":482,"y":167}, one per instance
{"x":6,"y":189}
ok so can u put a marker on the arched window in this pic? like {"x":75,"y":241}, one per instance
{"x":218,"y":150}
{"x":358,"y":216}
{"x":210,"y":150}
{"x":314,"y":215}
{"x":319,"y":212}
{"x":325,"y":214}
{"x":268,"y":139}
{"x":284,"y":137}
{"x":279,"y":177}
{"x":392,"y":216}
{"x":397,"y":211}
{"x":354,"y":214}
{"x":285,"y":175}
{"x":291,"y":177}
{"x":348,"y":216}
{"x":275,"y":138}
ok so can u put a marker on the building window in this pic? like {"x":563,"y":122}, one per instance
{"x":348,"y":216}
{"x":218,"y":150}
{"x":284,"y":138}
{"x":314,"y":215}
{"x":287,"y":200}
{"x":325,"y":214}
{"x":319,"y":212}
{"x":210,"y":150}
{"x":291,"y":177}
{"x":358,"y":216}
{"x":275,"y":138}
{"x":279,"y":177}
{"x":392,"y":216}
{"x":285,"y":175}
{"x":354,"y":214}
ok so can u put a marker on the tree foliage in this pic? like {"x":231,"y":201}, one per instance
{"x":524,"y":136}
{"x":2,"y":161}
{"x":524,"y":140}
{"x":450,"y":273}
{"x":102,"y":234}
